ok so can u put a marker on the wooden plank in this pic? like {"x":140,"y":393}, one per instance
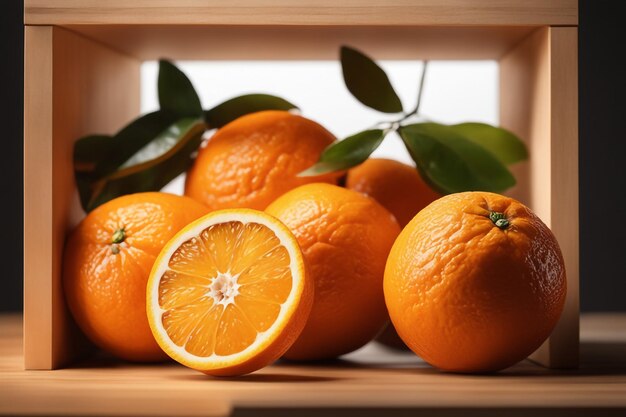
{"x":148,"y":42}
{"x":563,"y":343}
{"x":370,"y":378}
{"x":73,"y":87}
{"x":538,"y":101}
{"x":303,"y":12}
{"x":525,"y":110}
{"x":38,"y":197}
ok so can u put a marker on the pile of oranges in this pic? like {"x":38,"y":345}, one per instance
{"x":255,"y":263}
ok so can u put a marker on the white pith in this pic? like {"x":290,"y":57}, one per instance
{"x":226,"y":284}
{"x":224,"y":288}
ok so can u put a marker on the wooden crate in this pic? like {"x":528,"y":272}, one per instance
{"x":82,"y":70}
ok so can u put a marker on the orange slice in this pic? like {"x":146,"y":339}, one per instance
{"x":228,"y":294}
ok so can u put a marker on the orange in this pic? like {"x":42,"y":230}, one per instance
{"x":256,"y":158}
{"x":475,"y":282}
{"x":228,"y":294}
{"x":401,"y":190}
{"x":106,"y":265}
{"x":345,"y":238}
{"x":396,"y":186}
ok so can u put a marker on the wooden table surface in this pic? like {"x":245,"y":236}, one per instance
{"x":372,"y":381}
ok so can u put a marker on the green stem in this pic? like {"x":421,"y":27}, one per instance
{"x":499,"y":219}
{"x":119,"y":236}
{"x":421,"y":90}
{"x":395,"y":124}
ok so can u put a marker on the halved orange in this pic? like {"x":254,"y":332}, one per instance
{"x":228,"y":294}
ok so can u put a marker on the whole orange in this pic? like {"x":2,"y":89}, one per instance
{"x":107,"y":262}
{"x":345,"y":238}
{"x":475,"y":282}
{"x":256,"y":158}
{"x":396,"y":186}
{"x":402,"y":191}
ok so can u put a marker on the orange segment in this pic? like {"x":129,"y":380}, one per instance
{"x":192,"y":258}
{"x":268,"y":289}
{"x":235,"y":332}
{"x":221,"y":242}
{"x":201,"y":341}
{"x":260,"y":313}
{"x":228,"y":293}
{"x":181,"y":321}
{"x":177,"y":289}
{"x":270,"y":264}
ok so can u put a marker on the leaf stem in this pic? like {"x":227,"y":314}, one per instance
{"x":421,"y":89}
{"x":395,"y":124}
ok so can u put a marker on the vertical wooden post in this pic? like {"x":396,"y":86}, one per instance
{"x":561,"y":350}
{"x":38,"y":282}
{"x":72,"y":86}
{"x":538,"y":101}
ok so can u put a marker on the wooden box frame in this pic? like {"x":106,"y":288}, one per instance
{"x":82,"y":70}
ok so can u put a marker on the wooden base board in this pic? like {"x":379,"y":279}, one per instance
{"x":369,"y":382}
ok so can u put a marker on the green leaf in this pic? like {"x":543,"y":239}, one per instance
{"x":161,"y":144}
{"x":150,"y":169}
{"x":452,"y":163}
{"x":503,"y":144}
{"x":367,"y":82}
{"x":347,"y":153}
{"x":236,"y":107}
{"x":99,"y":155}
{"x":90,"y":153}
{"x":176,"y":93}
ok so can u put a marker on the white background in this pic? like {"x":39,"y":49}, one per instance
{"x":454,"y":92}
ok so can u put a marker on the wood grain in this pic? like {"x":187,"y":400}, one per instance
{"x":84,"y":78}
{"x":525,"y":110}
{"x":38,"y":279}
{"x":538,"y":101}
{"x":302,"y":12}
{"x":370,"y":378}
{"x":73,"y":87}
{"x":191,"y":42}
{"x":564,"y":219}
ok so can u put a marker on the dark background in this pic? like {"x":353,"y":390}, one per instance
{"x":602,"y":112}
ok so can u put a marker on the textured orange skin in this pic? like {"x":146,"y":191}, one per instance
{"x":400,"y":189}
{"x":345,"y":238}
{"x":255,"y":159}
{"x":106,"y":292}
{"x":396,"y":186}
{"x":468,"y":296}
